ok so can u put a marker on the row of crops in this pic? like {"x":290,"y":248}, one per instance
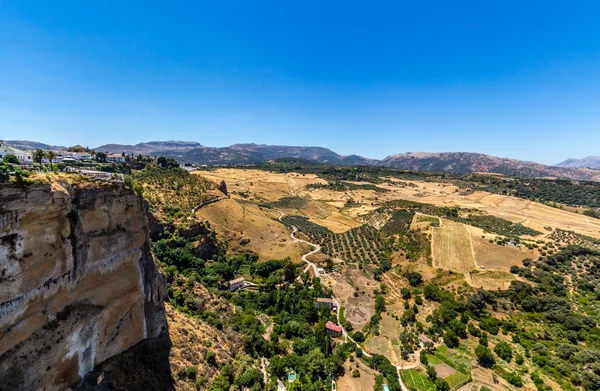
{"x":360,"y":244}
{"x":399,"y":223}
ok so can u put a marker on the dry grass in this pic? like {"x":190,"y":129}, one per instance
{"x":491,"y":280}
{"x":239,"y":222}
{"x":191,"y":340}
{"x":364,"y":382}
{"x":528,"y":213}
{"x":357,"y":309}
{"x":451,"y":248}
{"x":386,"y":343}
{"x":496,"y":257}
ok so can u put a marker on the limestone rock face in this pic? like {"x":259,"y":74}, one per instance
{"x":78,"y":284}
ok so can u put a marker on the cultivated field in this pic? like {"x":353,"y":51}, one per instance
{"x":451,"y":248}
{"x":528,"y":213}
{"x":496,"y":257}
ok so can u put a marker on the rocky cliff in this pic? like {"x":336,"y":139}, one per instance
{"x":78,"y":284}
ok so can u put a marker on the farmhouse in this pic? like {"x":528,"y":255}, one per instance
{"x":237,"y":284}
{"x":327,"y":302}
{"x":22,"y":156}
{"x":333,"y":329}
{"x":113,"y":157}
{"x":423,"y":339}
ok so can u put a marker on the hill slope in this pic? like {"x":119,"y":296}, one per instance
{"x":586,"y":162}
{"x":149,"y":148}
{"x":27,"y":145}
{"x":465,"y":162}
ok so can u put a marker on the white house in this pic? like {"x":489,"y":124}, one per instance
{"x":113,"y":157}
{"x":237,"y":284}
{"x":22,"y":156}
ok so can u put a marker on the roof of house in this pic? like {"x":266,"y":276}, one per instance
{"x":424,"y":338}
{"x":333,"y":327}
{"x":241,"y":279}
{"x":324,"y":300}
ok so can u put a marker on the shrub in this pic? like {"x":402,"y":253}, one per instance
{"x":514,"y":379}
{"x":504,"y":351}
{"x":484,"y":356}
{"x":358,"y":337}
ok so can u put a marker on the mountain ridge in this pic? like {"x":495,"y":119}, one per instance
{"x":251,"y":153}
{"x":592,"y":162}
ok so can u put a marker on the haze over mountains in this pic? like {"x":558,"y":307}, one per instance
{"x":458,"y":162}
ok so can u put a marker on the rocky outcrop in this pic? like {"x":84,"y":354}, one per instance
{"x":78,"y":284}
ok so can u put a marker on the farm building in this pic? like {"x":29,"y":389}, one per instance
{"x":237,"y":284}
{"x":326,"y":301}
{"x":333,"y":329}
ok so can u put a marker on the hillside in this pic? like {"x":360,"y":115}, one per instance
{"x":586,"y":162}
{"x":466,"y":162}
{"x":193,"y":152}
{"x":149,"y":148}
{"x":26,"y":145}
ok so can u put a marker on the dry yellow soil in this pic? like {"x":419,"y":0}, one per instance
{"x":451,"y":247}
{"x":243,"y":222}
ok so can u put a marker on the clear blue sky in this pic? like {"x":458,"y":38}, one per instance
{"x":510,"y":78}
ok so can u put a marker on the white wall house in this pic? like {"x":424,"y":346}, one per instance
{"x":113,"y":157}
{"x":23,"y":156}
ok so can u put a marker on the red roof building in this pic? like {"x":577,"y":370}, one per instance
{"x":333,"y":329}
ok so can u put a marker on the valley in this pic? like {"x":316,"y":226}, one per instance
{"x":429,"y":282}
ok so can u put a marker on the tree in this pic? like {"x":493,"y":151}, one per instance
{"x":379,"y":303}
{"x":423,"y":357}
{"x":441,"y":385}
{"x":11,"y":159}
{"x":289,"y":272}
{"x":450,"y":339}
{"x":38,"y":155}
{"x":484,"y":356}
{"x":101,"y":157}
{"x":504,"y":351}
{"x":51,"y":155}
{"x":414,"y":278}
{"x":358,"y":337}
{"x":431,"y":373}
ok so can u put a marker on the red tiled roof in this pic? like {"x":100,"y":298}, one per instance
{"x":333,"y":327}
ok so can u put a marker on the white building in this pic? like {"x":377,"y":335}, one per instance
{"x":237,"y":284}
{"x":22,"y":156}
{"x":113,"y":157}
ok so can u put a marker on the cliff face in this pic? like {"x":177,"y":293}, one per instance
{"x":77,"y":282}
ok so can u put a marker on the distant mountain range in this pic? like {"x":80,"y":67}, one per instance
{"x":150,"y":148}
{"x":458,"y":162}
{"x":586,"y":162}
{"x":465,"y":162}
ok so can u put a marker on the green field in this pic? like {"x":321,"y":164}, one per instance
{"x":458,"y":361}
{"x":433,"y":360}
{"x":457,"y":379}
{"x":416,"y":380}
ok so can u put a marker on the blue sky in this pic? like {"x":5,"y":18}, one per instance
{"x":511,"y":78}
